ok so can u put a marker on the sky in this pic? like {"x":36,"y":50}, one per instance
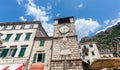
{"x":90,"y":16}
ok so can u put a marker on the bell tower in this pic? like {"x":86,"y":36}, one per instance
{"x":65,"y":50}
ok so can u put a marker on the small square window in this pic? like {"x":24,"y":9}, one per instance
{"x":31,"y":26}
{"x":93,"y":53}
{"x":91,"y":45}
{"x":22,"y":26}
{"x":86,"y":54}
{"x":88,"y":61}
{"x":41,"y":42}
{"x":4,"y":28}
{"x":13,"y":27}
{"x":84,"y":47}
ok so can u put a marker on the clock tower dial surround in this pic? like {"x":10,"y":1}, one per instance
{"x":65,"y":38}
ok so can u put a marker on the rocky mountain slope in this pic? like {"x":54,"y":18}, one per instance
{"x":106,"y":39}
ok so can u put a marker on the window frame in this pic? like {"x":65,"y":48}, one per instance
{"x":8,"y":37}
{"x":11,"y":52}
{"x":91,"y":45}
{"x":18,"y":37}
{"x":35,"y":57}
{"x":28,"y":35}
{"x":42,"y":43}
{"x":22,"y":26}
{"x":4,"y":27}
{"x":92,"y":52}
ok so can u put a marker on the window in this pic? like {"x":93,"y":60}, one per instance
{"x":84,"y":47}
{"x":31,"y":26}
{"x":88,"y":61}
{"x":22,"y":51}
{"x":63,"y":20}
{"x":18,"y":36}
{"x":11,"y":52}
{"x":41,"y":42}
{"x":22,"y":26}
{"x":93,"y":53}
{"x":8,"y":37}
{"x":13,"y":27}
{"x":86,"y":54}
{"x":39,"y":57}
{"x":91,"y":45}
{"x":4,"y":52}
{"x":4,"y":28}
{"x":27,"y":36}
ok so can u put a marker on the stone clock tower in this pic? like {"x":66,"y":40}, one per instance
{"x":65,"y":51}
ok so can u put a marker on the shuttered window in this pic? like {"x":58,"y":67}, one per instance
{"x":39,"y":57}
{"x":27,"y":36}
{"x":18,"y":36}
{"x":13,"y":54}
{"x":22,"y":51}
{"x":4,"y":52}
{"x":43,"y":57}
{"x":8,"y":37}
{"x":41,"y":43}
{"x":34,"y":59}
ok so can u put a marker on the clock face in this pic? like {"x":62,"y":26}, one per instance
{"x":64,"y":29}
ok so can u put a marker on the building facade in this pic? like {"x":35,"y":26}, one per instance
{"x":105,"y":53}
{"x":18,"y":39}
{"x":41,"y":53}
{"x":89,"y":51}
{"x":65,"y":50}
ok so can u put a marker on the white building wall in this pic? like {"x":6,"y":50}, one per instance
{"x":20,"y":42}
{"x":42,"y":49}
{"x":90,"y":57}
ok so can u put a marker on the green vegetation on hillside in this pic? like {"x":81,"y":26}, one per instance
{"x":106,"y":39}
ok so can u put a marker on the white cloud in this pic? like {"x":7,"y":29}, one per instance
{"x":80,"y":5}
{"x":107,"y":22}
{"x":114,"y":22}
{"x":39,"y":13}
{"x":85,"y":26}
{"x":57,"y":15}
{"x":48,"y":28}
{"x":19,"y":2}
{"x":36,"y":12}
{"x":22,"y":18}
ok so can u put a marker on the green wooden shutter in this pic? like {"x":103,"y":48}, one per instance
{"x":27,"y":36}
{"x":22,"y":51}
{"x":8,"y":37}
{"x":18,"y":37}
{"x":41,"y":42}
{"x":43,"y":57}
{"x":4,"y":52}
{"x":35,"y":57}
{"x":13,"y":54}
